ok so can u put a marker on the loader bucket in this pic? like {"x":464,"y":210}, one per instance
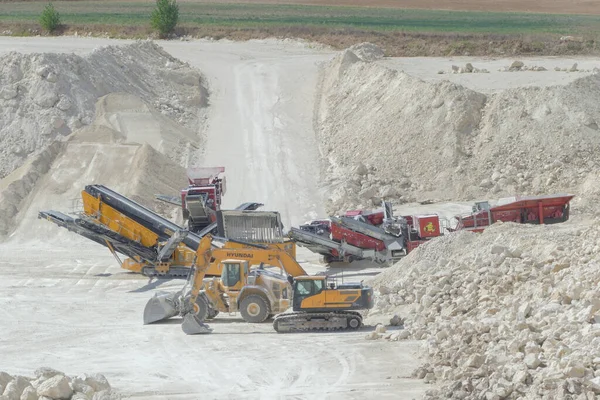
{"x":159,"y":307}
{"x":193,"y":326}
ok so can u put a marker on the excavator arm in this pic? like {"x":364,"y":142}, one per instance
{"x":163,"y":305}
{"x":201,"y":265}
{"x":260,"y":255}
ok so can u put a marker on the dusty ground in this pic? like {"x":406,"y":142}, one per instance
{"x":82,"y":313}
{"x":260,"y":108}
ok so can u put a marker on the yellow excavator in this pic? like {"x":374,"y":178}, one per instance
{"x":249,"y":285}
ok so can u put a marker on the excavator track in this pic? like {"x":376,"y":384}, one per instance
{"x":317,"y":321}
{"x":173,"y":273}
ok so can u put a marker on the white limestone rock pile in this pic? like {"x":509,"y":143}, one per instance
{"x":49,"y":384}
{"x":512,"y":313}
{"x":384,"y":134}
{"x":45,"y":97}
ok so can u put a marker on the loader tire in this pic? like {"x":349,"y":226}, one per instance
{"x":203,"y":313}
{"x":254,"y":308}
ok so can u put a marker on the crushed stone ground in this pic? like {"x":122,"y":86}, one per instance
{"x":512,"y":313}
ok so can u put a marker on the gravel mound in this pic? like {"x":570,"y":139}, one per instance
{"x":512,"y":313}
{"x":385,"y":134}
{"x":49,"y":384}
{"x":138,"y":161}
{"x":367,"y":51}
{"x":45,"y":97}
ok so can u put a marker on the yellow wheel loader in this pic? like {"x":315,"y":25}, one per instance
{"x":255,"y":281}
{"x":260,"y":282}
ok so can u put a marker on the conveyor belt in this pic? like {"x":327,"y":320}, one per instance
{"x":149,"y":219}
{"x":100,"y":234}
{"x":341,"y":248}
{"x":361,"y":227}
{"x":165,"y":229}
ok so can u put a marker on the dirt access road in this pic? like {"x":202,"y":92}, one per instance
{"x":65,"y":303}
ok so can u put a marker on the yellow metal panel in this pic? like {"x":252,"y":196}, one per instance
{"x":316,"y":301}
{"x":288,"y":247}
{"x":117,"y":222}
{"x":132,"y":265}
{"x":91,"y":205}
{"x":333,"y":299}
{"x":341,"y":298}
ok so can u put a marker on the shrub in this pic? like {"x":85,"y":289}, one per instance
{"x":50,"y":19}
{"x":165,"y":16}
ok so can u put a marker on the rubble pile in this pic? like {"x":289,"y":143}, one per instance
{"x":511,"y":313}
{"x":440,"y":140}
{"x":49,"y":384}
{"x":45,"y":97}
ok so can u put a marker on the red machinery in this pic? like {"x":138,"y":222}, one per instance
{"x":202,"y":198}
{"x":375,"y":217}
{"x":380,"y":236}
{"x":548,"y":209}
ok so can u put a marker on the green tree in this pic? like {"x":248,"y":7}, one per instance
{"x":164,"y":17}
{"x":50,"y":19}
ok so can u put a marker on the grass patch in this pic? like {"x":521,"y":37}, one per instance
{"x":399,"y":32}
{"x":246,"y":16}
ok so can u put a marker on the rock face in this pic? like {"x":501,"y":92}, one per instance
{"x":50,"y":384}
{"x":440,"y":140}
{"x":506,"y":314}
